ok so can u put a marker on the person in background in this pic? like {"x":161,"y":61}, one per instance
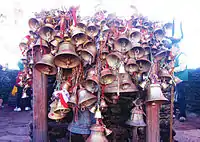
{"x":181,"y":72}
{"x":19,"y":84}
{"x":27,"y":93}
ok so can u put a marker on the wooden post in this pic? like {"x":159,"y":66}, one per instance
{"x":153,"y":122}
{"x":134,"y":134}
{"x":39,"y":104}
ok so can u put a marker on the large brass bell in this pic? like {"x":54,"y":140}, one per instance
{"x":33,"y":24}
{"x":97,"y":134}
{"x":136,"y":119}
{"x":78,"y":36}
{"x":92,"y":30}
{"x":122,"y":44}
{"x":46,"y":66}
{"x":85,"y":98}
{"x":82,"y":125}
{"x":136,"y":52}
{"x":131,"y":66}
{"x":106,"y":76}
{"x":144,"y":64}
{"x":47,"y":32}
{"x":89,"y":52}
{"x":114,"y":59}
{"x":135,"y":35}
{"x":155,"y":94}
{"x":66,"y":56}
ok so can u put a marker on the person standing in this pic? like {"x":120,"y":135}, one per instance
{"x":181,"y":72}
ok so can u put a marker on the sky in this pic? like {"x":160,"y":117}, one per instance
{"x":18,"y":12}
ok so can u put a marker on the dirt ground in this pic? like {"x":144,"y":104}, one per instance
{"x":14,"y":127}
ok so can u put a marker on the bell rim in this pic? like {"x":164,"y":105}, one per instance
{"x":46,"y":65}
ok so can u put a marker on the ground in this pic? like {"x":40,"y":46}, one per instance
{"x":14,"y":127}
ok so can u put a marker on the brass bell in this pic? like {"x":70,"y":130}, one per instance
{"x":135,"y":35}
{"x":159,"y":34}
{"x":93,"y":109}
{"x":162,"y":54}
{"x":125,"y":81}
{"x":57,"y":39}
{"x":154,"y":50}
{"x":114,"y":59}
{"x":122,"y":44}
{"x":131,"y":66}
{"x":97,"y":134}
{"x":128,"y":86}
{"x":66,"y":56}
{"x":104,"y":53}
{"x":122,"y":68}
{"x":164,"y":73}
{"x":144,"y":64}
{"x":103,"y":105}
{"x":72,"y":101}
{"x":79,"y":49}
{"x":33,"y":24}
{"x":55,"y":116}
{"x":97,"y":114}
{"x":92,"y":30}
{"x":107,"y":131}
{"x":46,"y":66}
{"x":89,"y":52}
{"x":60,"y":108}
{"x":78,"y":36}
{"x":82,"y":125}
{"x":41,"y":44}
{"x":47,"y":32}
{"x":82,"y":25}
{"x":136,"y":119}
{"x":85,"y":98}
{"x":155,"y":94}
{"x":164,"y":85}
{"x":136,"y":52}
{"x":65,"y":85}
{"x":106,"y":76}
{"x":92,"y":83}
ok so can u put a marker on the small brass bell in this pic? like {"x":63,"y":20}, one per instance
{"x":66,"y":56}
{"x":163,"y":73}
{"x":122,"y":44}
{"x":137,"y":51}
{"x":47,"y":32}
{"x":33,"y":24}
{"x":86,"y":99}
{"x":106,"y":76}
{"x":162,"y":54}
{"x":136,"y":119}
{"x":78,"y":36}
{"x":60,"y":108}
{"x":97,"y":134}
{"x":46,"y":66}
{"x":114,"y":59}
{"x":143,"y":84}
{"x":144,"y":64}
{"x":82,"y":25}
{"x":164,"y":85}
{"x":97,"y":114}
{"x":41,"y":43}
{"x":131,"y":66}
{"x":103,"y":105}
{"x":135,"y":35}
{"x":55,"y":116}
{"x":104,"y":53}
{"x":93,"y":109}
{"x":57,"y":39}
{"x":107,"y":131}
{"x":92,"y":83}
{"x":155,"y":94}
{"x":89,"y":51}
{"x":159,"y":34}
{"x":125,"y":81}
{"x":92,"y":30}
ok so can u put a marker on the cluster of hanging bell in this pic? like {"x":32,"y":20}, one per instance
{"x":97,"y":55}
